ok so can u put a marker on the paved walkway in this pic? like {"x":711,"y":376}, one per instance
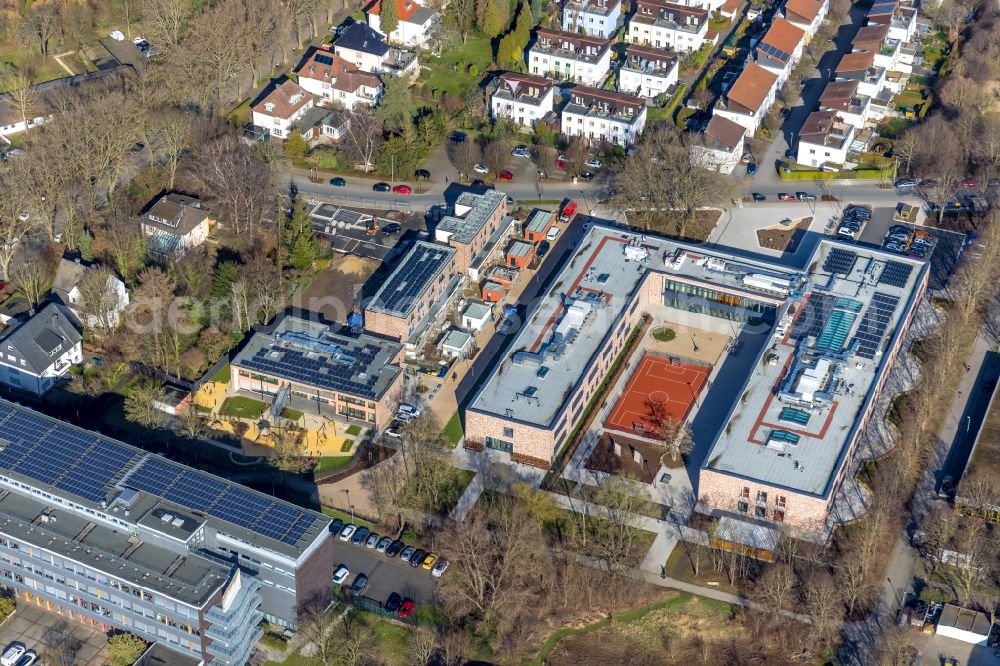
{"x":468,"y":498}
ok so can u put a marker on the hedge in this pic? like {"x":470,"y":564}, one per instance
{"x":861,"y":174}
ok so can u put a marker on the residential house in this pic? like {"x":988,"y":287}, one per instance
{"x":749,"y":98}
{"x":860,"y":66}
{"x":538,"y":224}
{"x":335,"y":125}
{"x":806,"y":14}
{"x":477,"y":218}
{"x":567,"y":56}
{"x":519,"y":254}
{"x":597,"y":18}
{"x":326,"y":74}
{"x":280,"y":107}
{"x":36,"y":352}
{"x":724,"y":143}
{"x":365,"y":47}
{"x":888,"y":51}
{"x":824,"y":139}
{"x":524,"y":98}
{"x":843,"y":98}
{"x":668,"y":25}
{"x":416,"y":24}
{"x":603,"y":115}
{"x":49,"y":95}
{"x":175,"y":224}
{"x":780,"y":49}
{"x":66,"y":289}
{"x":647,"y":72}
{"x":902,"y":20}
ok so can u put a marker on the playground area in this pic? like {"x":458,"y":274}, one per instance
{"x":661,"y":387}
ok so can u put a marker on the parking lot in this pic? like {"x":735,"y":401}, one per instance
{"x":29,"y":624}
{"x":386,"y":575}
{"x":935,"y":649}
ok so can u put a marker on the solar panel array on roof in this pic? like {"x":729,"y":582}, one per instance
{"x":408,"y":282}
{"x":814,"y":315}
{"x":895,"y":274}
{"x":316,"y":370}
{"x":774,"y":52}
{"x":839,"y":261}
{"x":78,"y":462}
{"x":324,"y":59}
{"x":194,"y":490}
{"x":874,"y":324}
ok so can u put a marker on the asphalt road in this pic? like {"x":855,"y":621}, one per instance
{"x":386,"y":575}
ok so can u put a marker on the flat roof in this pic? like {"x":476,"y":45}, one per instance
{"x":315,"y":354}
{"x":520,"y":249}
{"x":800,"y":406}
{"x":539,"y":220}
{"x":472,"y":210}
{"x":414,"y":275}
{"x":572,"y":321}
{"x":184,"y":576}
{"x":95,"y":471}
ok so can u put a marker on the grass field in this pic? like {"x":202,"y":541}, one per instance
{"x":42,"y":68}
{"x":330,"y":465}
{"x":459,"y":69}
{"x":242,"y":406}
{"x":388,"y":641}
{"x":453,"y":432}
{"x":222,"y":376}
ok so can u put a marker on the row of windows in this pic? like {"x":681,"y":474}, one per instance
{"x":779,"y":500}
{"x":778,"y":515}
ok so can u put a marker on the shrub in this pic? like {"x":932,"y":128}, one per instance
{"x":124,"y":649}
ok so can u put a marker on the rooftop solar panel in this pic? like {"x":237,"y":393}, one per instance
{"x":895,"y":274}
{"x":839,"y":261}
{"x":774,"y":52}
{"x":324,"y":59}
{"x":404,"y":287}
{"x":874,"y":323}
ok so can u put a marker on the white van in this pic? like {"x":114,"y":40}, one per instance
{"x":551,"y":235}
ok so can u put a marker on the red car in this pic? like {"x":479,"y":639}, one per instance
{"x":505,"y":175}
{"x":402,"y":189}
{"x":970,"y":183}
{"x":406,"y":610}
{"x":785,"y":196}
{"x":561,"y":164}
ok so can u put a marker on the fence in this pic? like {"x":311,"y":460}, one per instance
{"x":369,"y":605}
{"x":395,"y":204}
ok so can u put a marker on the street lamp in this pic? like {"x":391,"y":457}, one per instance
{"x":350,"y":506}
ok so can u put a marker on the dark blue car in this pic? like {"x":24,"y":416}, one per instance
{"x":752,"y":169}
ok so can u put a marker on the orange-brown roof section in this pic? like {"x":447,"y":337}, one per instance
{"x":784,"y":36}
{"x":752,"y":86}
{"x":404,"y":8}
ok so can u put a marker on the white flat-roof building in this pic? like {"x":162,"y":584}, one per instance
{"x":476,"y":315}
{"x":568,"y":56}
{"x":597,"y":18}
{"x":667,"y":25}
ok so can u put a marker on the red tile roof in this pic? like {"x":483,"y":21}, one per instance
{"x":807,"y":9}
{"x":784,"y":36}
{"x":340,"y":74}
{"x":404,"y":8}
{"x":752,"y":87}
{"x":856,"y":62}
{"x":287,"y":97}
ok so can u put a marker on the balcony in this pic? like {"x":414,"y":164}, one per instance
{"x":506,"y":95}
{"x":226,"y":655}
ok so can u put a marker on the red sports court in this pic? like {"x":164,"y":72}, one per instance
{"x":660,"y":387}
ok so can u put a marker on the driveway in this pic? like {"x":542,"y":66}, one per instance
{"x":386,"y":574}
{"x":30,"y":623}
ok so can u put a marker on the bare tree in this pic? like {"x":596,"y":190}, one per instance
{"x":496,"y":155}
{"x":141,"y":404}
{"x":172,"y":134}
{"x":623,"y":505}
{"x":40,"y":25}
{"x":236,"y":181}
{"x":33,"y":280}
{"x":363,"y":139}
{"x":190,"y":424}
{"x":316,"y":626}
{"x":464,"y":156}
{"x":166,"y":19}
{"x":576,"y":154}
{"x":824,"y":603}
{"x":22,"y":93}
{"x":15,"y":221}
{"x":99,"y":300}
{"x":775,"y":587}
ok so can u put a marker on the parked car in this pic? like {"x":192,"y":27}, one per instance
{"x":551,"y":234}
{"x":360,"y":584}
{"x":336,"y":526}
{"x":521,"y":151}
{"x":407,"y":553}
{"x":429,"y":561}
{"x":418,"y":557}
{"x":970,"y":183}
{"x":338,"y":182}
{"x":402,"y":189}
{"x":381,"y":187}
{"x":785,"y":196}
{"x":392,"y":228}
{"x":348,"y":532}
{"x":752,"y":169}
{"x":395,"y":548}
{"x":906,"y":182}
{"x":13,"y":652}
{"x":373,"y":540}
{"x":29,"y":658}
{"x":747,"y":157}
{"x":409,"y":410}
{"x":117,"y":35}
{"x":360,"y":536}
{"x":422,"y":174}
{"x":481,"y":168}
{"x":561,"y":163}
{"x":593,"y":164}
{"x":405,"y":610}
{"x":439,"y":567}
{"x":542,"y":249}
{"x":393,"y":603}
{"x":757,"y":196}
{"x":895,"y":246}
{"x":340,"y":575}
{"x":458,"y":137}
{"x":805,"y":196}
{"x":505,"y":175}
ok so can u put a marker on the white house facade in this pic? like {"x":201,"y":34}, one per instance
{"x":37,"y":352}
{"x":365,"y":48}
{"x":66,"y":287}
{"x":806,"y":14}
{"x":749,"y":98}
{"x":567,"y":56}
{"x":416,"y":23}
{"x":667,"y":25}
{"x":524,"y":98}
{"x":338,"y":81}
{"x":723,"y":146}
{"x":603,"y":115}
{"x":278,"y":111}
{"x":647,"y":72}
{"x":596,"y":18}
{"x":824,"y":139}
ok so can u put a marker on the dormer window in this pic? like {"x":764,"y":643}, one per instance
{"x":269,"y":107}
{"x":296,"y":97}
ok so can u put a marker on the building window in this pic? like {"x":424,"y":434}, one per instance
{"x":508,"y":432}
{"x":780,"y":500}
{"x":761,"y":496}
{"x":760,"y":512}
{"x":499,"y":444}
{"x":745,"y":492}
{"x":779,"y":516}
{"x":742,"y":507}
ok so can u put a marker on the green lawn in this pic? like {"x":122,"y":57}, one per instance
{"x":243,"y":407}
{"x":42,"y":68}
{"x":453,"y":432}
{"x":347,"y":445}
{"x":353,"y":430}
{"x":240,"y":116}
{"x":331,"y":464}
{"x":222,"y":376}
{"x":346,"y":517}
{"x":460,"y":68}
{"x":291,"y":414}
